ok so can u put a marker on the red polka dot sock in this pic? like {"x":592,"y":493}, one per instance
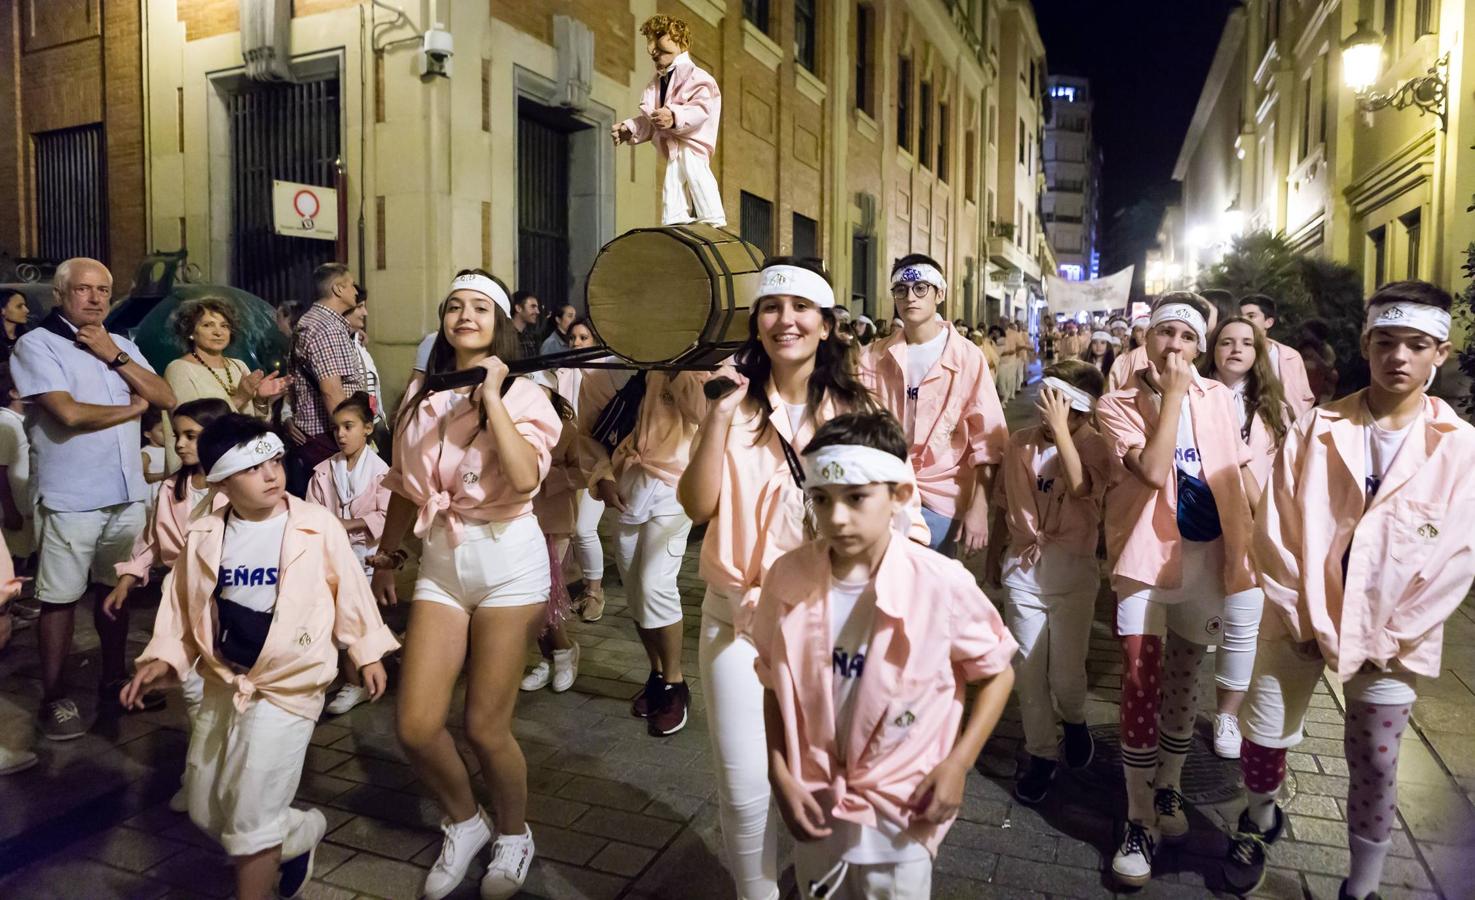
{"x":1176,"y":713}
{"x":1264,"y":770}
{"x":1142,"y":662}
{"x":1371,"y":741}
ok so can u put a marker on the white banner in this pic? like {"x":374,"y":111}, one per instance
{"x":304,"y":210}
{"x":1100,"y":295}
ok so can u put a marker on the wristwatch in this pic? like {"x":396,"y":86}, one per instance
{"x":119,"y":361}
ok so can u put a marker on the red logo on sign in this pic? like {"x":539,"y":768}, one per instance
{"x":301,"y":207}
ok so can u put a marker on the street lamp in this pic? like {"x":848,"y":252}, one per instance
{"x":1362,"y":62}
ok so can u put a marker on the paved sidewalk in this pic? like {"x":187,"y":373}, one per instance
{"x":618,"y":814}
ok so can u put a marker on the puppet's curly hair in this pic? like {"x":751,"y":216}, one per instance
{"x":674,"y":28}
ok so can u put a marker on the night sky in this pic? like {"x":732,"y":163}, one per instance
{"x":1147,"y":60}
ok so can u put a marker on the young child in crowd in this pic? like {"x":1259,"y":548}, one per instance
{"x":350,"y":483}
{"x":181,"y":501}
{"x":1048,"y":502}
{"x":154,"y":468}
{"x":864,"y":754}
{"x":1365,"y":548}
{"x":1177,"y":539}
{"x":264,"y":591}
{"x":1238,"y":359}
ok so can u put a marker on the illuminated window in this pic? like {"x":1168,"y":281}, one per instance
{"x":1071,"y":272}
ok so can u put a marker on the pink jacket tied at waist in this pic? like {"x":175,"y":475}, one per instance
{"x":959,"y":423}
{"x":323,"y":602}
{"x":1035,"y":518}
{"x":1410,"y":552}
{"x":934,"y":632}
{"x":694,"y":100}
{"x":661,"y":442}
{"x":159,"y":542}
{"x":448,"y":465}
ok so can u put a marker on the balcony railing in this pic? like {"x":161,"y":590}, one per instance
{"x":1003,"y":230}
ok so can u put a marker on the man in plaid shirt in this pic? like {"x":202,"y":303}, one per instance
{"x":326,"y":369}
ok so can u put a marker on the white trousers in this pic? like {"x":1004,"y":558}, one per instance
{"x":587,"y":549}
{"x":1235,"y":661}
{"x":241,"y":774}
{"x":691,"y":191}
{"x":886,"y":881}
{"x":648,"y":556}
{"x":1054,"y":635}
{"x":749,"y":821}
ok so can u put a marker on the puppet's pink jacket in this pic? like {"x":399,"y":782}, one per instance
{"x":694,"y":100}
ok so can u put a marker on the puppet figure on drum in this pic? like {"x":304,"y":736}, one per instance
{"x":680,"y":110}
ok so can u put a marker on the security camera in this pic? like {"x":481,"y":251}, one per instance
{"x":435,"y":56}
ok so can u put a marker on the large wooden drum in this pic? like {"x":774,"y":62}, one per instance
{"x":676,"y":294}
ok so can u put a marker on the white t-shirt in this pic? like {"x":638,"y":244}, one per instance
{"x":1382,"y":448}
{"x":249,"y":559}
{"x":796,"y":415}
{"x":15,"y":455}
{"x":1185,"y":451}
{"x":920,"y":360}
{"x":852,"y":617}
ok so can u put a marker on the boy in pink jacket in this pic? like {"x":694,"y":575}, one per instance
{"x":865,"y":643}
{"x":938,"y":385}
{"x":680,"y":110}
{"x":1365,"y":546}
{"x":263,"y":593}
{"x":1284,"y":361}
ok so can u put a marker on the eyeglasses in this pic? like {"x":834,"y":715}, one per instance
{"x":919,"y":290}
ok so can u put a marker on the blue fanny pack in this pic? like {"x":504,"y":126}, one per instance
{"x":1198,"y":514}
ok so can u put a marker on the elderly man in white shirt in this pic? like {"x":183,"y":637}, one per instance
{"x":89,"y":387}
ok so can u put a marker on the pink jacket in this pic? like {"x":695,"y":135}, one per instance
{"x":934,"y":632}
{"x":447,"y":464}
{"x":960,"y":424}
{"x":1293,"y":379}
{"x":661,"y":442}
{"x":1410,"y":553}
{"x":1142,"y":540}
{"x":323,"y":602}
{"x":1123,"y":367}
{"x":693,"y":98}
{"x":159,"y":542}
{"x":555,"y":502}
{"x":371,"y":505}
{"x":1037,"y":518}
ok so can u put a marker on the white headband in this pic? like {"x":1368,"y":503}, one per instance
{"x":1114,"y":320}
{"x":1182,"y":312}
{"x":1080,"y":401}
{"x":246,"y":456}
{"x":854,"y":464}
{"x":1141,"y":322}
{"x":796,"y":281}
{"x":1101,"y":336}
{"x":922,"y":272}
{"x":1431,"y":320}
{"x":484,"y":286}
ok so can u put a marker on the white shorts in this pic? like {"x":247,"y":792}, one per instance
{"x":1194,"y":611}
{"x":908,"y":880}
{"x":82,"y":548}
{"x":241,"y":773}
{"x":496,"y":564}
{"x":1274,"y":711}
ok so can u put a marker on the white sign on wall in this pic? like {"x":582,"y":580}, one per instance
{"x":304,"y":210}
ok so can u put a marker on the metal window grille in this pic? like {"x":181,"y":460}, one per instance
{"x":806,"y":236}
{"x":757,"y":222}
{"x":543,"y":203}
{"x":804,"y":33}
{"x":864,"y":34}
{"x":287,"y":132}
{"x":861,"y":294}
{"x":756,"y":11}
{"x":904,"y":104}
{"x":924,"y":125}
{"x":71,"y":193}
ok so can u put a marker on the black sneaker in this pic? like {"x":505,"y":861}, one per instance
{"x":296,"y":873}
{"x":1343,"y":895}
{"x":670,"y":716}
{"x":108,"y":695}
{"x":649,"y":698}
{"x":59,"y":720}
{"x":1079,"y":746}
{"x":1244,"y":864}
{"x":1031,"y":787}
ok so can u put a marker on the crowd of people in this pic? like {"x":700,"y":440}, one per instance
{"x":840,"y":472}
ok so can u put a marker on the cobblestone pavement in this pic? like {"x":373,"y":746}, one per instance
{"x":618,"y":814}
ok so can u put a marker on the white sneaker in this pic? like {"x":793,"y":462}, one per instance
{"x":565,"y":668}
{"x":180,"y":801}
{"x":539,"y":677}
{"x":348,"y":696}
{"x":463,"y":841}
{"x":1226,"y":736}
{"x":1132,"y":865}
{"x":13,"y":761}
{"x":512,"y":856}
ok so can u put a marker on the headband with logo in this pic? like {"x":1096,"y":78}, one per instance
{"x":1080,"y":401}
{"x":1431,"y":320}
{"x":1102,"y":336}
{"x":484,"y":286}
{"x":921,"y":272}
{"x":855,"y":464}
{"x":246,"y":456}
{"x":796,"y":281}
{"x":1182,"y":312}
